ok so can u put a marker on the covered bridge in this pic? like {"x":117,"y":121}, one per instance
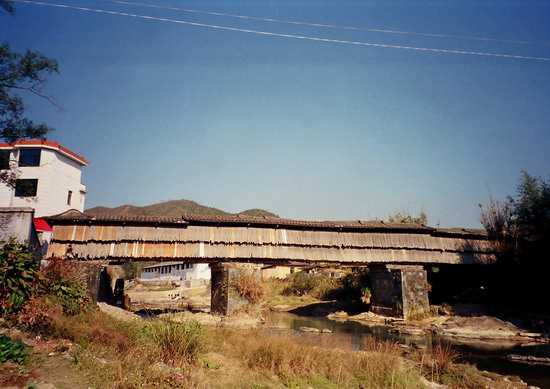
{"x":396,"y":252}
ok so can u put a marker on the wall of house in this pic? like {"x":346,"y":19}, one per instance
{"x":18,"y":223}
{"x":176,"y":272}
{"x":276,"y":272}
{"x":66,"y":176}
{"x":57,"y":175}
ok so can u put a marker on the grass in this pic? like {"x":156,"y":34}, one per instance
{"x":299,"y":361}
{"x":160,"y":354}
{"x":181,"y":342}
{"x":463,"y":376}
{"x":443,"y":358}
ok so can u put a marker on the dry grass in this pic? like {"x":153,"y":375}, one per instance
{"x":443,"y":358}
{"x":95,"y":327}
{"x":114,"y":354}
{"x":249,"y":289}
{"x":292,"y":358}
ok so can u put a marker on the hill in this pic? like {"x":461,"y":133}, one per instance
{"x":173,"y":208}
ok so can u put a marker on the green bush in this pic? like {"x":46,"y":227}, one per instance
{"x":12,"y":350}
{"x":71,"y":294}
{"x":60,"y":280}
{"x":315,"y":285}
{"x":353,"y":286}
{"x":18,"y":276}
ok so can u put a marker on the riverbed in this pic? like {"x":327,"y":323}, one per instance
{"x":490,"y":356}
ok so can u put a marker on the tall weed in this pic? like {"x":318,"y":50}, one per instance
{"x":249,"y":289}
{"x":443,"y":358}
{"x":176,"y":341}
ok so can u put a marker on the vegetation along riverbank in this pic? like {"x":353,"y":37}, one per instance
{"x":54,"y":336}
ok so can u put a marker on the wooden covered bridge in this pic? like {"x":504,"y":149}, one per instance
{"x":396,"y":253}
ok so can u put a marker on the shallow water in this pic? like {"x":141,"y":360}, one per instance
{"x":485,"y":355}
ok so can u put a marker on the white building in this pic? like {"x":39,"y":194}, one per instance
{"x":176,"y":271}
{"x":48,"y":177}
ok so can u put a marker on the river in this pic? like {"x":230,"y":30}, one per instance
{"x":485,"y":355}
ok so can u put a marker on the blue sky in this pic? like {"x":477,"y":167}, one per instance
{"x":305,"y":129}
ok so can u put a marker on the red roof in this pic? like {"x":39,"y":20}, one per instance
{"x":48,"y":144}
{"x":41,"y":225}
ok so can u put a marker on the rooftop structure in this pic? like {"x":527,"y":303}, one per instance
{"x":46,"y":177}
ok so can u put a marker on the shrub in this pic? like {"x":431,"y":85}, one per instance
{"x":36,"y":314}
{"x":12,"y":350}
{"x":443,"y":358}
{"x":249,"y":289}
{"x":61,"y":279}
{"x":315,"y":285}
{"x":177,"y":341}
{"x":18,"y":276}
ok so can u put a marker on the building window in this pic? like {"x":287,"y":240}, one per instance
{"x":26,"y":187}
{"x":69,"y":197}
{"x":29,"y":157}
{"x":4,"y":159}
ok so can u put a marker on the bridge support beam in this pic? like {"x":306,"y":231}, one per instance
{"x":228,"y":281}
{"x":399,"y":290}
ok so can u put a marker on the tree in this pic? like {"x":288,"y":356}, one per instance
{"x":496,"y":218}
{"x":522,"y":222}
{"x":23,"y":72}
{"x":531,"y":208}
{"x":7,"y":5}
{"x":405,"y":217}
{"x":520,"y":231}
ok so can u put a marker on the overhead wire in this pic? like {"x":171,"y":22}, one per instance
{"x":352,"y":28}
{"x":290,"y":36}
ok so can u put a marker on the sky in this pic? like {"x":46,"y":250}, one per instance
{"x":339,"y":129}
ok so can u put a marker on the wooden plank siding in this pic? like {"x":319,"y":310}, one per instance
{"x":201,"y":241}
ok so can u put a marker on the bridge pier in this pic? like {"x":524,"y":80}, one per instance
{"x":399,"y":290}
{"x":233,"y":286}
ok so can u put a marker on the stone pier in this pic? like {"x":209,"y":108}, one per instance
{"x":228,"y":280}
{"x":399,"y":290}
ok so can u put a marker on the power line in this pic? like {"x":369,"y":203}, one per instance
{"x":332,"y":26}
{"x":309,"y":38}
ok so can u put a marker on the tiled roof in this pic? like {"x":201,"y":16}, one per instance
{"x":47,"y":144}
{"x":194,"y":219}
{"x":344,"y":224}
{"x":75,"y":215}
{"x":461,"y":231}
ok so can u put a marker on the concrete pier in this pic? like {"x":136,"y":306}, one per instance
{"x":226,"y":297}
{"x":399,"y":290}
